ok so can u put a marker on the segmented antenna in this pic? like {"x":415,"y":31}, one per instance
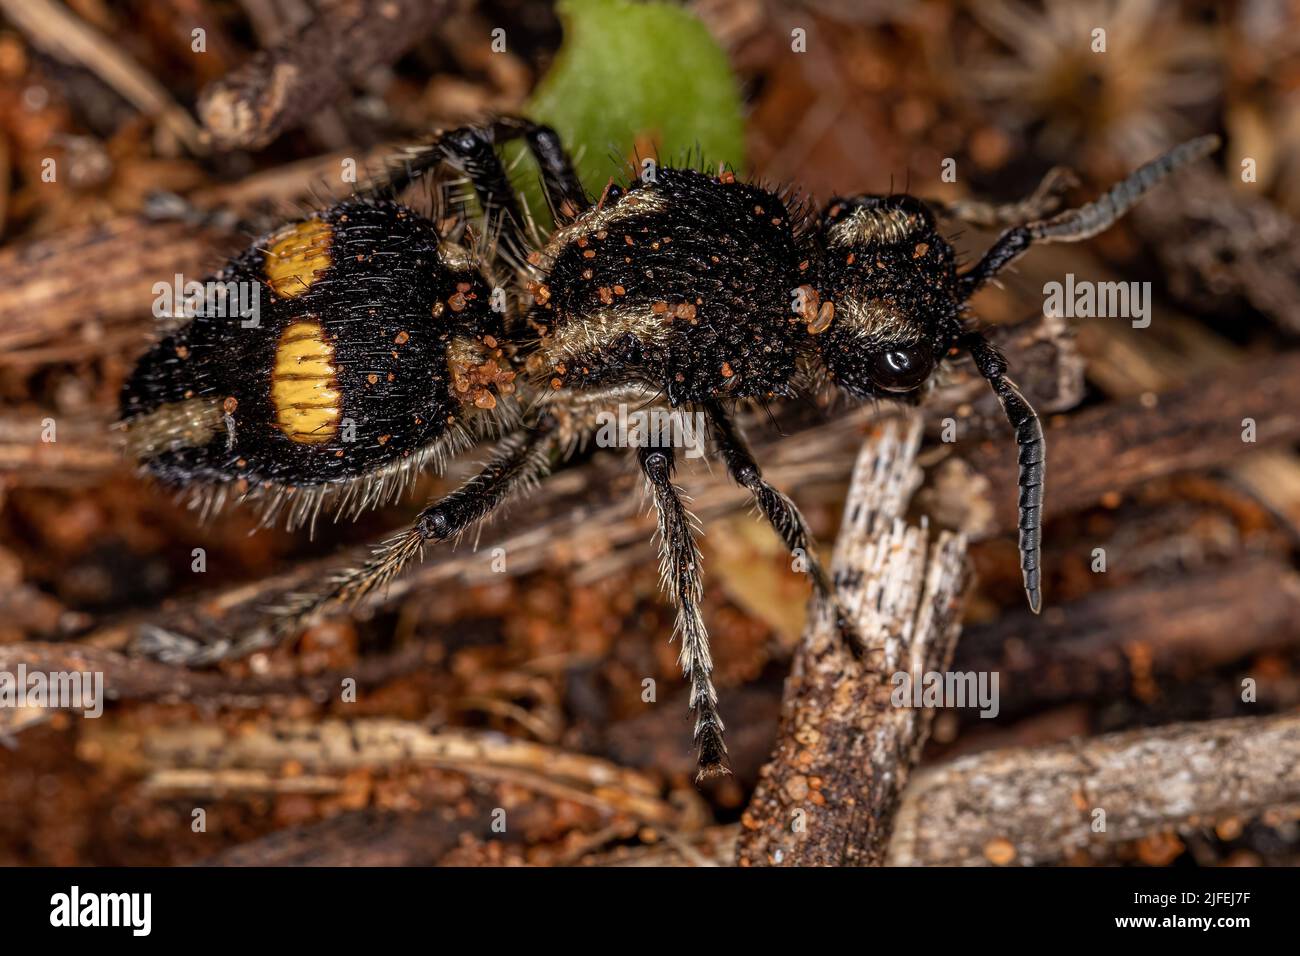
{"x":1075,"y":225}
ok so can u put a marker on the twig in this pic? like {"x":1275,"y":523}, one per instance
{"x":46,"y":299}
{"x":367,"y":837}
{"x":337,"y":746}
{"x":844,"y":752}
{"x":83,"y":450}
{"x":1039,"y":805}
{"x":1123,"y":640}
{"x":126,"y":678}
{"x":1218,"y":244}
{"x":287,"y":85}
{"x":1190,"y":429}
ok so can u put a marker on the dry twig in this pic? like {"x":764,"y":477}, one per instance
{"x":844,"y":752}
{"x":58,"y":31}
{"x":286,"y":86}
{"x":337,"y":746}
{"x":1035,"y":806}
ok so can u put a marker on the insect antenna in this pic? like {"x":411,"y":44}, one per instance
{"x":1032,"y":460}
{"x":1075,"y":225}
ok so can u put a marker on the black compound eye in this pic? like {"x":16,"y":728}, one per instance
{"x":901,"y":369}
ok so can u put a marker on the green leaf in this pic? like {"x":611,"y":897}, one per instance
{"x":635,"y":80}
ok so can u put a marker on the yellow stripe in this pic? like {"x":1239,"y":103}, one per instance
{"x":298,"y":257}
{"x":304,"y":392}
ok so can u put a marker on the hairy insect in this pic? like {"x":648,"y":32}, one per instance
{"x":687,"y":291}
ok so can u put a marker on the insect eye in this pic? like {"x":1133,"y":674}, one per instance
{"x":901,"y":369}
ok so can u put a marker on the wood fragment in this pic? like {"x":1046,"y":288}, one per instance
{"x":844,"y":752}
{"x":1218,"y":244}
{"x":368,"y":837}
{"x":83,"y":453}
{"x":1116,"y":641}
{"x":1193,"y":428}
{"x":59,"y":32}
{"x":1127,"y":362}
{"x":126,"y":678}
{"x":49,"y":298}
{"x":1038,"y":806}
{"x":286,"y":86}
{"x":335,"y":746}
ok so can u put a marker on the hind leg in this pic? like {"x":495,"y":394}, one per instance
{"x":519,"y":462}
{"x":471,"y":150}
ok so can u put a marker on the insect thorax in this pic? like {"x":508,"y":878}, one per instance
{"x":684,"y":284}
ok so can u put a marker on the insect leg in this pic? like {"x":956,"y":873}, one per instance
{"x":1044,"y":200}
{"x":780,"y":511}
{"x":519,"y":462}
{"x":1033,"y":459}
{"x":563,"y":189}
{"x":680,"y":570}
{"x":469,"y":150}
{"x":1075,"y":225}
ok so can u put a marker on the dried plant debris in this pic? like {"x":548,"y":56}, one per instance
{"x":357,"y":363}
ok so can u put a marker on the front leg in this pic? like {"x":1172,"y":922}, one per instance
{"x":680,"y":570}
{"x":780,"y":511}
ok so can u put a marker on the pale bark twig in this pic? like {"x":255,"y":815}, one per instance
{"x":844,"y":752}
{"x":1039,"y":805}
{"x":59,"y":32}
{"x":335,"y":746}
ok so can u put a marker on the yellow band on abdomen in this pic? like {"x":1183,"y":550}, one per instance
{"x":304,"y":391}
{"x":298,"y":256}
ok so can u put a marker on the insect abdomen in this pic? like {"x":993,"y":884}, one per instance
{"x":345,"y":367}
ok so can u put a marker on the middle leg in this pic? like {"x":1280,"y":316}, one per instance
{"x":680,"y":570}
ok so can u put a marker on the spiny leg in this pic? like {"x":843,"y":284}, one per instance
{"x":1044,"y":200}
{"x":680,"y":570}
{"x":472,"y":151}
{"x":469,"y":150}
{"x":1075,"y":225}
{"x":519,"y":462}
{"x":1033,"y":459}
{"x":560,"y":181}
{"x":780,"y":511}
